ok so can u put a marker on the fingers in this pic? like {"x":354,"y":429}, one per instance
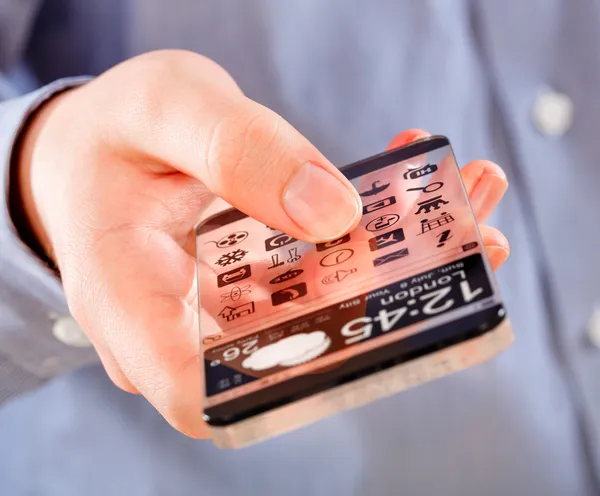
{"x":496,"y":245}
{"x":407,"y":137}
{"x":242,"y":151}
{"x":114,"y":372}
{"x":110,"y":365}
{"x":486,"y":184}
{"x":151,"y":329}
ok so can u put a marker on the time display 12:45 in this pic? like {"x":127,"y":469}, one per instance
{"x":421,"y":298}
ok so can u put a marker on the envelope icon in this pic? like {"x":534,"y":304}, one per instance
{"x":390,"y":257}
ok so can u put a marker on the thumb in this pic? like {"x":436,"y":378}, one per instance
{"x":251,"y":158}
{"x":261,"y":165}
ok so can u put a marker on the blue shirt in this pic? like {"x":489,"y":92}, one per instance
{"x":516,"y":82}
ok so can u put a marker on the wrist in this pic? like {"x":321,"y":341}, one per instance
{"x":26,"y":165}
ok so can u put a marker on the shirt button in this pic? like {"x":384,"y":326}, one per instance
{"x":67,"y":331}
{"x":593,"y":328}
{"x":553,"y":113}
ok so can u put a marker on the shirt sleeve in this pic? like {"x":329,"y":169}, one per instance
{"x":31,"y":296}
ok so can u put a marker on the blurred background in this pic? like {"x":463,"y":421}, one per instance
{"x":510,"y":81}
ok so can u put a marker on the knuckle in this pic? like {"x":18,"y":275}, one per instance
{"x":241,"y":150}
{"x":160,"y":70}
{"x":165,"y":392}
{"x":176,"y":62}
{"x":87,"y":299}
{"x":125,"y":386}
{"x":152,"y":86}
{"x":142,"y":85}
{"x":78,"y":291}
{"x":120,"y":381}
{"x":142,"y":99}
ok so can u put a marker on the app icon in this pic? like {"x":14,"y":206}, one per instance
{"x":231,"y":257}
{"x":232,"y":239}
{"x":378,"y":205}
{"x":278,"y":241}
{"x":335,"y":242}
{"x":390,"y":257}
{"x":469,"y":246}
{"x":288,"y":294}
{"x":375,"y":190}
{"x":337,"y":257}
{"x":435,"y":203}
{"x":233,"y":275}
{"x":429,"y":225}
{"x":232,"y":313}
{"x":443,"y":237}
{"x":383,"y":222}
{"x":420,"y":172}
{"x":387,"y":239}
{"x":286,"y":276}
{"x":236,"y":293}
{"x":293,"y":255}
{"x":337,"y":276}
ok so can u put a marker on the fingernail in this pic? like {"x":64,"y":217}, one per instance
{"x":416,"y":134}
{"x":320,"y":203}
{"x":489,"y":190}
{"x":497,"y":255}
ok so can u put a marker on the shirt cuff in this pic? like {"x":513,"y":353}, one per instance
{"x":13,"y":116}
{"x":29,"y":289}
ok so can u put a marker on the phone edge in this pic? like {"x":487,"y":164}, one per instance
{"x":365,"y":390}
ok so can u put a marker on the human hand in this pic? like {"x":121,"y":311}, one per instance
{"x":114,"y":176}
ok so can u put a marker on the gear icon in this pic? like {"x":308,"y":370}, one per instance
{"x":231,"y":257}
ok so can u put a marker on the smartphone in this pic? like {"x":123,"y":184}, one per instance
{"x":292,"y":332}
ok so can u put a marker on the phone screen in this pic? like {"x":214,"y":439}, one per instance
{"x":281,"y":319}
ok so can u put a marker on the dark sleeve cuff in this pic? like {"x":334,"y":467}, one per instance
{"x":14,"y":117}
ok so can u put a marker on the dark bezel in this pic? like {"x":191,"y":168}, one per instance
{"x":354,"y":368}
